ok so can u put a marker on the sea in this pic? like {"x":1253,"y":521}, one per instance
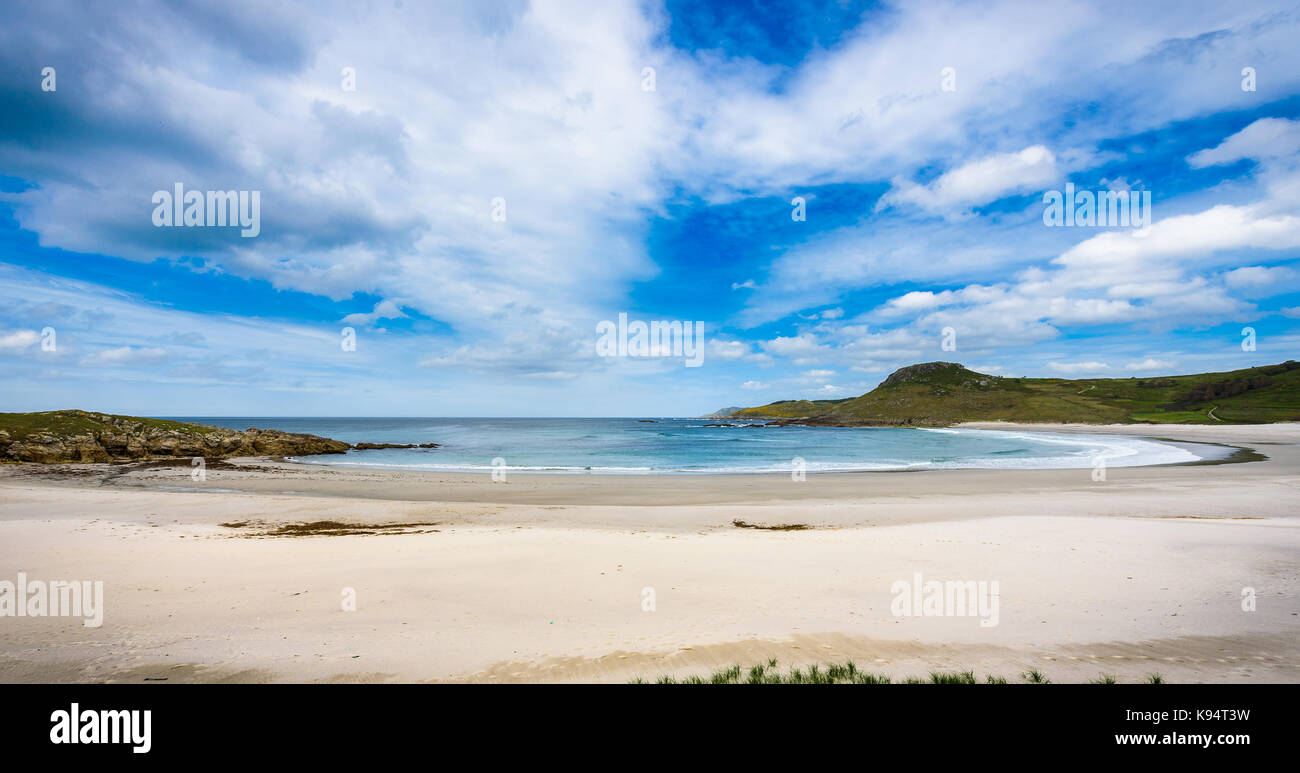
{"x":656,"y":445}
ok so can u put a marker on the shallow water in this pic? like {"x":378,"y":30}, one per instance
{"x":688,"y":446}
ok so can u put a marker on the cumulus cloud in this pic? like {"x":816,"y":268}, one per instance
{"x":385,"y":309}
{"x":1218,"y":228}
{"x":730,"y":350}
{"x":979,"y":182}
{"x":1265,"y":138}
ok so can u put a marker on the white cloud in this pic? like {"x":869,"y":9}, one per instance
{"x":1265,"y":138}
{"x":873,"y":105}
{"x":388,"y":189}
{"x":1089,"y":311}
{"x":729,"y":350}
{"x":385,"y":309}
{"x":1257,"y":276}
{"x":979,"y":182}
{"x":19,"y":339}
{"x":917,"y":300}
{"x":1219,"y":228}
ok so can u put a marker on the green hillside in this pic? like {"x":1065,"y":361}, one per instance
{"x":940,"y":393}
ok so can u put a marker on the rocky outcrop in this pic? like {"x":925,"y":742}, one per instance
{"x":373,"y":446}
{"x":82,"y":436}
{"x":921,"y":371}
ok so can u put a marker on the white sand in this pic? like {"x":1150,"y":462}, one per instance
{"x":541,"y":578}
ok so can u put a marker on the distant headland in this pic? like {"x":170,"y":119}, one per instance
{"x":944,"y":393}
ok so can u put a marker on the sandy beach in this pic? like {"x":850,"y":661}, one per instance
{"x":545,"y":578}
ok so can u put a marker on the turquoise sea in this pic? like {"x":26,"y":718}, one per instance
{"x":667,"y":445}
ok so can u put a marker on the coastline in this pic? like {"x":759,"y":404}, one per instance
{"x":273,"y":476}
{"x":540,"y":577}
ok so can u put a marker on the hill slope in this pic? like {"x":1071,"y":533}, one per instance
{"x":940,"y":393}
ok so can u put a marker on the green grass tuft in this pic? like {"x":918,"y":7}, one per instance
{"x":956,"y":677}
{"x":849,"y":673}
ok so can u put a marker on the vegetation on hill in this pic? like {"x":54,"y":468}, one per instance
{"x":941,"y":393}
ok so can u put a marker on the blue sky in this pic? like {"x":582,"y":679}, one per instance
{"x":921,"y":138}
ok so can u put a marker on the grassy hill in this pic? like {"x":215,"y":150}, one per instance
{"x":939,"y":393}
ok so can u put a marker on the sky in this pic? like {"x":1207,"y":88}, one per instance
{"x":454,"y":196}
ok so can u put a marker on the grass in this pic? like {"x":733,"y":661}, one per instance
{"x":848,"y":673}
{"x":956,"y":677}
{"x":68,"y":423}
{"x":768,"y":673}
{"x":935,"y":394}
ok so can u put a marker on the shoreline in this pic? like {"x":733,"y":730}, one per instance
{"x":1261,"y":451}
{"x":542,"y":578}
{"x":1238,"y":454}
